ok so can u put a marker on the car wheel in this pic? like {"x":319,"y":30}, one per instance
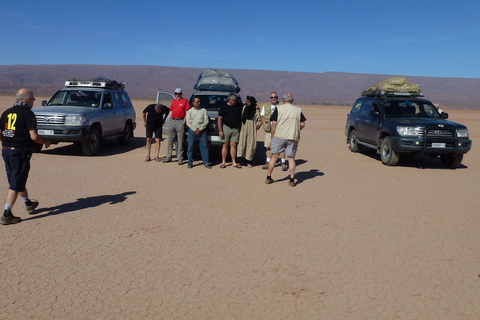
{"x":127,"y":134}
{"x":451,"y":161}
{"x":37,"y":147}
{"x":389,"y":156}
{"x":353,"y":145}
{"x":91,"y":146}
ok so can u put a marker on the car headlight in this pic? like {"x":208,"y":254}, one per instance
{"x":75,"y":120}
{"x":462,"y":133}
{"x":409,"y":131}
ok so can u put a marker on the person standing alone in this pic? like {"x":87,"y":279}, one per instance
{"x":18,"y":133}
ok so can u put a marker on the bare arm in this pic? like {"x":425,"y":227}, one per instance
{"x":220,"y":126}
{"x":144,"y":119}
{"x":302,"y":125}
{"x":38,"y":139}
{"x":272,"y":130}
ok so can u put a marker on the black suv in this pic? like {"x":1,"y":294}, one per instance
{"x":395,"y":123}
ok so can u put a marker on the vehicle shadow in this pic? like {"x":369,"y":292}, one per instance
{"x":80,"y":204}
{"x":412,"y":160}
{"x":108,"y":148}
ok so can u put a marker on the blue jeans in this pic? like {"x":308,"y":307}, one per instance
{"x":202,"y":143}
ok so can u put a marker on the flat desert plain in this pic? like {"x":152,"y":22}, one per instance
{"x":118,"y":238}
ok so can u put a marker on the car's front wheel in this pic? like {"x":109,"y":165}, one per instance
{"x":389,"y":156}
{"x":353,"y":145}
{"x":91,"y":146}
{"x":451,"y":160}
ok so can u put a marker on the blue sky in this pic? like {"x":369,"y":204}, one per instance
{"x":411,"y":38}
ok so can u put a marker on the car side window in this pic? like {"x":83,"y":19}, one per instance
{"x":125,"y":100}
{"x":366,"y":108}
{"x":356,"y":107}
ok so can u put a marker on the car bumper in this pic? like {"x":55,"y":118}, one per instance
{"x":63,"y":134}
{"x":418,"y":145}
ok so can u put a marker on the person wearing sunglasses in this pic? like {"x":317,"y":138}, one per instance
{"x":176,"y":128}
{"x":266,"y":113}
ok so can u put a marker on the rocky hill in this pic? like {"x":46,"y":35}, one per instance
{"x":332,"y":88}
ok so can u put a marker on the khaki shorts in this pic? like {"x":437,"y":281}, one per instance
{"x":268,"y":140}
{"x":283,"y":145}
{"x":230,"y":134}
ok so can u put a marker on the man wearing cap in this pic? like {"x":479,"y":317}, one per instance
{"x":176,"y":127}
{"x":287,"y":122}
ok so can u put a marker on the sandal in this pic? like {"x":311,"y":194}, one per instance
{"x":157,"y":159}
{"x":237,"y":166}
{"x":147,"y":159}
{"x":222,"y":166}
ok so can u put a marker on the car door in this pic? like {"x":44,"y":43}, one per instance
{"x":368,"y":121}
{"x":165,"y":98}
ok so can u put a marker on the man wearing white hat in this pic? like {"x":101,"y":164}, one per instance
{"x":176,"y":127}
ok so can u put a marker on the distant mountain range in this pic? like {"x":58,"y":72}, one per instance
{"x":329,"y":88}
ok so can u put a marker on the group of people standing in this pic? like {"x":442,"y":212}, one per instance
{"x":237,"y":125}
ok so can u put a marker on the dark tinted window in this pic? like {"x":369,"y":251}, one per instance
{"x":212,"y":102}
{"x":356,"y":107}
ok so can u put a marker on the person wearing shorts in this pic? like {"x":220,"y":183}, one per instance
{"x":229,"y":118}
{"x":18,"y":133}
{"x":154,"y":116}
{"x":287,"y":122}
{"x":266,"y":113}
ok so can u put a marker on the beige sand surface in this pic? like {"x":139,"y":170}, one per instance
{"x":118,"y":238}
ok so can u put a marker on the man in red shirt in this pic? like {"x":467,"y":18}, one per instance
{"x":176,"y":127}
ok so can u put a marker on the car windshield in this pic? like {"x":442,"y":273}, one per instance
{"x":79,"y":98}
{"x":406,"y":108}
{"x":212,"y":102}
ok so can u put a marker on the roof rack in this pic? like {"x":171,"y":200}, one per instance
{"x":383,"y":93}
{"x":99,"y":82}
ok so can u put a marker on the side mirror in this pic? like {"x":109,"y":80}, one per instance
{"x":44,"y":103}
{"x":444,"y":115}
{"x":107,"y":105}
{"x":374,"y":114}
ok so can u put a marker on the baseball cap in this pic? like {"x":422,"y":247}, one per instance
{"x":178,"y":90}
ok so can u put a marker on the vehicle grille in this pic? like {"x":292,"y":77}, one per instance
{"x":212,"y":128}
{"x":46,"y":119}
{"x":441,"y":135}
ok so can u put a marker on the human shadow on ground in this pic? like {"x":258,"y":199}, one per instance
{"x":303,"y":175}
{"x":80,"y":204}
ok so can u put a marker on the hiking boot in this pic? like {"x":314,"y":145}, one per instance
{"x":265,"y":166}
{"x":208,"y":166}
{"x":166,"y":160}
{"x":292,"y":183}
{"x":31,"y":205}
{"x":190,"y":166}
{"x":11,"y":219}
{"x":284,"y":166}
{"x":180,"y":162}
{"x":269,"y":181}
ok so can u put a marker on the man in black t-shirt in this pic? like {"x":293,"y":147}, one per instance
{"x":229,"y":118}
{"x":154,"y":117}
{"x":18,"y":132}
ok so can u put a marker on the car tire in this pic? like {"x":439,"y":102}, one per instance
{"x":37,"y":147}
{"x":353,"y":144}
{"x":389,"y":156}
{"x":91,"y":146}
{"x":127,"y":134}
{"x":451,"y":161}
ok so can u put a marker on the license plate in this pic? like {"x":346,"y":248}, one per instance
{"x":45,"y":132}
{"x":438,"y":145}
{"x":214,"y":138}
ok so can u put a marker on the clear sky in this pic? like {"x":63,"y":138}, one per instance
{"x":411,"y":38}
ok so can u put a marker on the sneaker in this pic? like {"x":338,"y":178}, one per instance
{"x":166,"y":160}
{"x":269,"y":181}
{"x":265,"y":166}
{"x":208,"y":166}
{"x":180,"y":162}
{"x":284,"y":166}
{"x":31,"y":206}
{"x":292,"y":183}
{"x":189,"y":166}
{"x":11,"y":219}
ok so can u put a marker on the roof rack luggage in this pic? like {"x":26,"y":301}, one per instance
{"x":99,"y":82}
{"x":213,"y":80}
{"x":394,"y":86}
